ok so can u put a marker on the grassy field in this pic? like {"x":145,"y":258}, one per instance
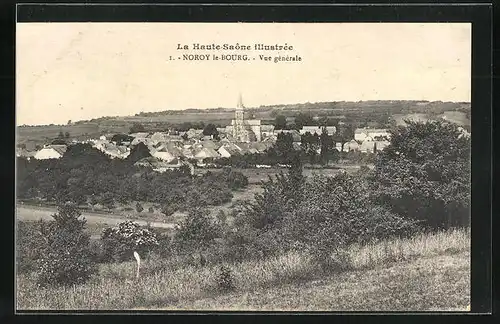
{"x":255,"y":176}
{"x":426,"y":273}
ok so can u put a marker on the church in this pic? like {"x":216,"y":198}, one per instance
{"x":242,"y":129}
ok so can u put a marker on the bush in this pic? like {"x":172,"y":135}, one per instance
{"x":338,"y":211}
{"x":225,"y":279}
{"x":120,"y":242}
{"x":325,"y":216}
{"x":196,"y":233}
{"x":425,"y":174}
{"x":138,"y":207}
{"x":235,"y":179}
{"x":66,"y":258}
{"x":29,"y":245}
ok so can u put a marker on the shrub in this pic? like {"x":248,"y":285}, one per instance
{"x":425,"y":174}
{"x":120,"y":242}
{"x":138,"y":207}
{"x":338,"y":211}
{"x":225,"y":279}
{"x":235,"y":179}
{"x":325,"y":216}
{"x":196,"y":233}
{"x":66,"y":259}
{"x":151,"y":210}
{"x":29,"y":245}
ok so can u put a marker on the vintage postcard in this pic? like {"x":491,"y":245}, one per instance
{"x":243,"y":166}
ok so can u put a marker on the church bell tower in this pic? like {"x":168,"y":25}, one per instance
{"x":239,"y":130}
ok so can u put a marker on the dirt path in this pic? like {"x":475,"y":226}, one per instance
{"x":31,"y":213}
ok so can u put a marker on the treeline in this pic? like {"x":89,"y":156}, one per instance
{"x":85,"y":175}
{"x":314,"y":150}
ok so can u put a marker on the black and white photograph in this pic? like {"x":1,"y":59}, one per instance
{"x":243,"y":166}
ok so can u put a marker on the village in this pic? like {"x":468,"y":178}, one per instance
{"x":171,"y":149}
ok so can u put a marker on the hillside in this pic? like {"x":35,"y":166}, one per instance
{"x":438,"y":283}
{"x":429,"y":272}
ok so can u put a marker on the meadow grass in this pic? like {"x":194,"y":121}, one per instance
{"x":166,"y":284}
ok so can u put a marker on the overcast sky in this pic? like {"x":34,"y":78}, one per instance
{"x":86,"y":70}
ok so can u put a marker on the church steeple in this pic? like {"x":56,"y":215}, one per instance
{"x":239,"y":105}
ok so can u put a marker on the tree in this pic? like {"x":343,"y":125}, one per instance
{"x":69,"y":122}
{"x":303,"y":119}
{"x":274,"y":113}
{"x":58,"y":142}
{"x":107,"y":200}
{"x":310,"y":145}
{"x":284,"y":147}
{"x":169,"y":209}
{"x":92,"y":200}
{"x":66,"y":135}
{"x":138,"y":207}
{"x":336,"y":212}
{"x":280,"y":122}
{"x":137,"y":153}
{"x":120,"y":138}
{"x":328,"y":151}
{"x":425,"y":173}
{"x":344,"y":134}
{"x":196,"y":232}
{"x":210,"y":130}
{"x":61,"y":135}
{"x":66,"y":258}
{"x":120,"y":242}
{"x":137,"y":128}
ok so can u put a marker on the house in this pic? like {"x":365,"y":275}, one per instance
{"x":228,"y":151}
{"x":25,"y":153}
{"x":205,"y":153}
{"x":318,"y":130}
{"x":361,"y":133}
{"x":51,"y":152}
{"x":381,"y":145}
{"x":163,"y":155}
{"x":242,"y":147}
{"x":367,"y":146}
{"x":210,"y":144}
{"x":114,"y":151}
{"x":158,"y":165}
{"x":296,"y":146}
{"x":145,"y":140}
{"x":158,"y":137}
{"x":188,"y":153}
{"x":260,"y":146}
{"x":295,"y":134}
{"x":140,"y":138}
{"x":352,"y":145}
{"x":194,"y":133}
{"x":171,"y":165}
{"x":267,"y":130}
{"x":140,"y":135}
{"x":150,"y":161}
